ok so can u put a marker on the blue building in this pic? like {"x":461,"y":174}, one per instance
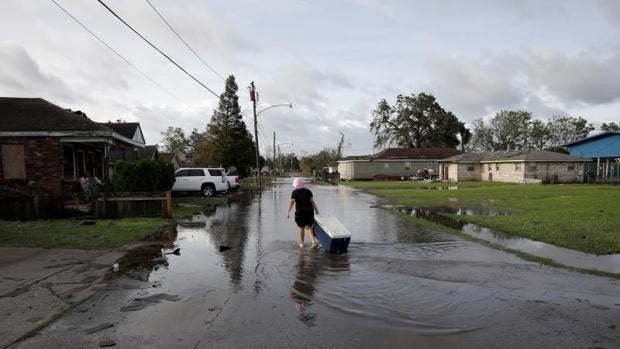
{"x":604,"y":151}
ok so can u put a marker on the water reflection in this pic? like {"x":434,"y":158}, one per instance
{"x":228,"y":232}
{"x":306,"y":270}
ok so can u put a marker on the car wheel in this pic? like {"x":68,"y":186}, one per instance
{"x":208,"y":190}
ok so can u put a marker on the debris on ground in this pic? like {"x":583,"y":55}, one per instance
{"x":307,"y":318}
{"x":107,"y":343}
{"x":142,"y":302}
{"x":99,"y":328}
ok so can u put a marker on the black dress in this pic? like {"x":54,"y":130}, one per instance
{"x":304,"y":211}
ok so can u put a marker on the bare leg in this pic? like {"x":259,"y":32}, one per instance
{"x":315,"y":242}
{"x":301,"y":237}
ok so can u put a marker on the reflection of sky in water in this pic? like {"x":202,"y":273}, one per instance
{"x":572,"y":258}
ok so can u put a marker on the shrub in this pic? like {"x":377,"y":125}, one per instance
{"x":143,"y":176}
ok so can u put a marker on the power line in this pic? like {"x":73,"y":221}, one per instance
{"x":156,"y":48}
{"x":183,"y":41}
{"x":112,"y":49}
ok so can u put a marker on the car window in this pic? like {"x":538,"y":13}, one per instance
{"x":215,"y":172}
{"x":181,"y":173}
{"x":196,"y":173}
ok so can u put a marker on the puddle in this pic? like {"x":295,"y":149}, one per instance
{"x":608,"y":263}
{"x":564,"y":256}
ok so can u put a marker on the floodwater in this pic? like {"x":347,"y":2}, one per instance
{"x":240,"y":281}
{"x":608,"y":263}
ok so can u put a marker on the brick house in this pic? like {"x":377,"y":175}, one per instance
{"x":520,"y":166}
{"x":393,"y":162}
{"x":44,"y":148}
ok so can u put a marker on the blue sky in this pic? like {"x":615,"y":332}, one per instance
{"x":334,"y":60}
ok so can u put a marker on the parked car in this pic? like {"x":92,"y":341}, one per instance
{"x":233,"y":182}
{"x":208,"y":181}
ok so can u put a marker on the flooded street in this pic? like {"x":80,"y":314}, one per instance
{"x":240,"y":281}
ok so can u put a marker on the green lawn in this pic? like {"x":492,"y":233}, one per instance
{"x":106,"y":233}
{"x":68,"y":233}
{"x":578,"y":216}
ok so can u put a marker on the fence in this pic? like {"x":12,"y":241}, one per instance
{"x":134,"y":206}
{"x":25,"y":208}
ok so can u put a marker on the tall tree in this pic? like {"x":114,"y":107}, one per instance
{"x":415,"y":121}
{"x":508,"y":129}
{"x":227,"y":141}
{"x":194,"y":140}
{"x":612,"y":126}
{"x":566,"y":129}
{"x":174,"y":140}
{"x":538,"y":135}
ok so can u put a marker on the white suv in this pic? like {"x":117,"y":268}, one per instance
{"x":206,"y":180}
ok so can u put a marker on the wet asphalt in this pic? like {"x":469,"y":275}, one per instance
{"x":240,"y":281}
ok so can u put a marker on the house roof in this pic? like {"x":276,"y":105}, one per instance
{"x":36,"y":117}
{"x":513,"y":155}
{"x":415,"y":153}
{"x":167,"y":157}
{"x":37,"y":114}
{"x":148,"y":152}
{"x":591,"y":138}
{"x":126,"y":129}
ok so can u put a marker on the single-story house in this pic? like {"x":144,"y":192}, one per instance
{"x":133,"y":131}
{"x":45,"y":148}
{"x":603,"y":150}
{"x":520,"y":166}
{"x":394,"y":162}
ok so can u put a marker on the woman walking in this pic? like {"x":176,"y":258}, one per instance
{"x":305,"y":208}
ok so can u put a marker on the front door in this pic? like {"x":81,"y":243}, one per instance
{"x":490,"y":177}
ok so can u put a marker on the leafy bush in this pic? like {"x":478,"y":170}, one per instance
{"x":143,"y":176}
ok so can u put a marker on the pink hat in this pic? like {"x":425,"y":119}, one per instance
{"x":298,"y":183}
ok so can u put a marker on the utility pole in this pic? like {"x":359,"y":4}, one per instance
{"x":274,"y":157}
{"x":253,"y":98}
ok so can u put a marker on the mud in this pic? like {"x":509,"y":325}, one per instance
{"x":399,"y":286}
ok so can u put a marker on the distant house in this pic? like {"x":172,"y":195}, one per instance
{"x":394,"y":162}
{"x":133,"y":131}
{"x":45,"y":148}
{"x":603,"y":150}
{"x":171,"y":158}
{"x":521,"y":166}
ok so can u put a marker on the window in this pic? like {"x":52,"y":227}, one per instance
{"x":470,"y":168}
{"x":571,"y":167}
{"x":407,"y":166}
{"x":386,"y":165}
{"x":517,"y":167}
{"x":196,"y":173}
{"x":69,"y":162}
{"x":215,"y":172}
{"x":490,"y":168}
{"x":531,"y":168}
{"x":13,"y":161}
{"x":181,"y":173}
{"x":81,"y":163}
{"x":496,"y":167}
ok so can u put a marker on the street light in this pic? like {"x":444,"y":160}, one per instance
{"x":290,"y":105}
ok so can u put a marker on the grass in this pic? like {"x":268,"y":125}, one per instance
{"x":106,"y":233}
{"x":68,"y":233}
{"x":577,"y":216}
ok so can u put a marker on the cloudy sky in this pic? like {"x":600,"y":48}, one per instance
{"x":333,"y":59}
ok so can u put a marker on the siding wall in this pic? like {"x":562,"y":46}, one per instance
{"x":604,"y":147}
{"x":367,"y":169}
{"x":555,"y":172}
